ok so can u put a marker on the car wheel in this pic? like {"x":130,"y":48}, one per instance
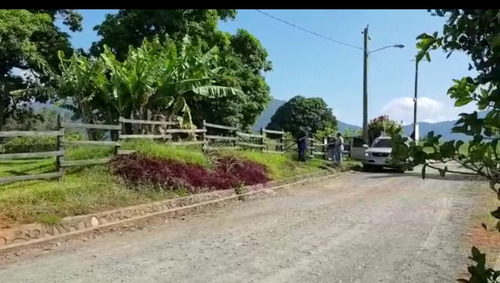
{"x":401,"y":170}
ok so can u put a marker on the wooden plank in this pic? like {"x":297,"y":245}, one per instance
{"x":132,"y":121}
{"x":92,"y":143}
{"x":31,"y":177}
{"x":251,"y":144}
{"x":91,"y":126}
{"x":185,"y":143}
{"x":186,"y":131}
{"x":125,"y":151}
{"x":31,"y":155}
{"x":273,"y":132}
{"x":318,"y":153}
{"x":88,"y":162}
{"x":145,"y":136}
{"x":223,"y":147}
{"x":221,"y":127}
{"x":221,"y":138}
{"x":249,"y":135}
{"x":9,"y":134}
{"x":273,"y":151}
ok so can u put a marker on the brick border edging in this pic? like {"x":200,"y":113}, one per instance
{"x":37,"y":233}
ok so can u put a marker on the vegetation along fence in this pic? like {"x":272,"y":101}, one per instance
{"x":209,"y":137}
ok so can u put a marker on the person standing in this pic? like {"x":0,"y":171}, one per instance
{"x":339,"y":148}
{"x":331,"y":148}
{"x":302,"y":144}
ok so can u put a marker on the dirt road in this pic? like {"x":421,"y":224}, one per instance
{"x":361,"y":227}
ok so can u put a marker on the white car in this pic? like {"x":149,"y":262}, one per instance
{"x":378,"y":155}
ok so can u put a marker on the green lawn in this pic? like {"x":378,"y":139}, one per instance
{"x":93,"y":189}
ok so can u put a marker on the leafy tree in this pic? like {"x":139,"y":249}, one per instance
{"x":132,"y":26}
{"x":476,"y":33}
{"x":312,"y":114}
{"x":322,"y":134}
{"x":160,"y":77}
{"x":243,"y":60}
{"x":244,"y":63}
{"x":155,"y":77}
{"x":28,"y":39}
{"x":382,"y":124}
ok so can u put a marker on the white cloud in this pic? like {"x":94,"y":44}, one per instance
{"x":428,"y":110}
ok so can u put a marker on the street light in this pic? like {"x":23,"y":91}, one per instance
{"x":365,"y":78}
{"x":415,"y":136}
{"x":389,"y":46}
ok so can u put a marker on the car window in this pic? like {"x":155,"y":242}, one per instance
{"x":357,"y":142}
{"x":382,"y":143}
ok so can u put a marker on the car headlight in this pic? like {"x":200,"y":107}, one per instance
{"x":367,"y":154}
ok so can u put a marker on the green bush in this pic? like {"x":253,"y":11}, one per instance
{"x":34,"y":144}
{"x":29,"y":144}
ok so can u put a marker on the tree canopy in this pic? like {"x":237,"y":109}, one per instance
{"x":243,"y":60}
{"x":312,"y":114}
{"x":382,"y":124}
{"x":29,"y":40}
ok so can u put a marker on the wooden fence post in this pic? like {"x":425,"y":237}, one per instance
{"x":204,"y":147}
{"x":235,"y":135}
{"x":262,"y":138}
{"x":325,"y":148}
{"x":312,"y":147}
{"x":117,"y":139}
{"x":58,"y":146}
{"x":282,"y":141}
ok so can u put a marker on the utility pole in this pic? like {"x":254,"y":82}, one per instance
{"x":415,"y":103}
{"x":365,"y":85}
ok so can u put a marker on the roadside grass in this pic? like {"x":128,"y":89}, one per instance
{"x":94,"y":189}
{"x":188,"y":154}
{"x":90,"y":190}
{"x":26,"y":167}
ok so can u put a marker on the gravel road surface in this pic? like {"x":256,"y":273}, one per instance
{"x":360,"y":227}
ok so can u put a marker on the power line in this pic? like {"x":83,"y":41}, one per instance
{"x":308,"y":31}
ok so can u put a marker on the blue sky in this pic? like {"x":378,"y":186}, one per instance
{"x":304,"y":64}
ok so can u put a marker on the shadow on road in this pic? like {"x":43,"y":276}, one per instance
{"x":431,"y":174}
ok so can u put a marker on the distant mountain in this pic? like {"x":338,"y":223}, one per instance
{"x":439,"y":128}
{"x":265,"y":117}
{"x":343,"y":126}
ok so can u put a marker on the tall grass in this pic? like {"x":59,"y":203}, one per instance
{"x":188,"y":154}
{"x":91,"y":190}
{"x":87,"y":152}
{"x":280,"y":166}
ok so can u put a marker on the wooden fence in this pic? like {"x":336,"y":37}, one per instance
{"x":45,"y":154}
{"x":209,"y":137}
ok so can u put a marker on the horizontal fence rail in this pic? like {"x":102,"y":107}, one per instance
{"x":209,"y":137}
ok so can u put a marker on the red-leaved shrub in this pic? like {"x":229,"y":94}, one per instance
{"x":229,"y":172}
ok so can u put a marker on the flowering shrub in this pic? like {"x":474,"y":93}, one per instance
{"x":228,"y":173}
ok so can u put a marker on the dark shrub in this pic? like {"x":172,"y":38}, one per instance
{"x":228,"y":173}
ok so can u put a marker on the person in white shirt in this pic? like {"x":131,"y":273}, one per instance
{"x":339,"y":148}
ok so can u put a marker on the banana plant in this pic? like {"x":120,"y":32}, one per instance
{"x":190,"y":79}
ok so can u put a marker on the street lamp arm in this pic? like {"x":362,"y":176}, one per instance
{"x":389,"y":46}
